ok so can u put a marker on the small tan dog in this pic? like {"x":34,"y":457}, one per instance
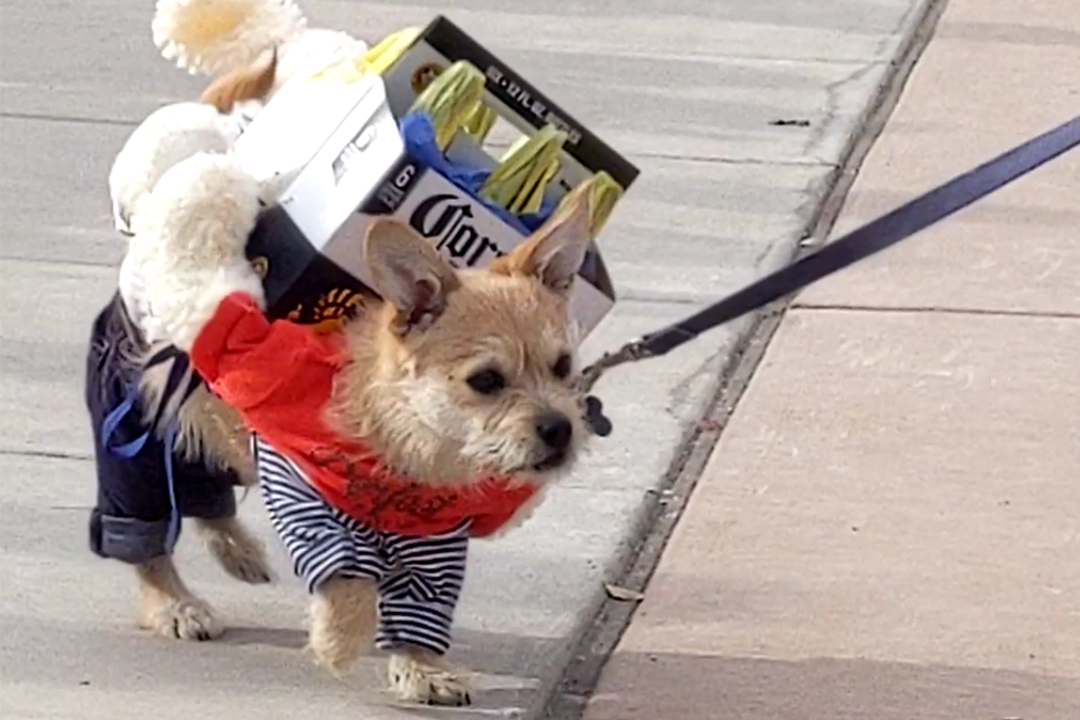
{"x":454,"y":397}
{"x":438,"y":414}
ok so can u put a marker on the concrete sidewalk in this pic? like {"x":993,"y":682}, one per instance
{"x":888,"y":527}
{"x":738,"y":114}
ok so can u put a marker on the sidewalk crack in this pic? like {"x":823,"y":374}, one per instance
{"x":928,"y":309}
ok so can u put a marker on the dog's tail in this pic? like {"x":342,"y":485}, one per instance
{"x":218,"y":37}
{"x":245,"y":83}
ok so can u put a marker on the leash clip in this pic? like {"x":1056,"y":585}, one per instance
{"x":630,"y":352}
{"x":599,"y":423}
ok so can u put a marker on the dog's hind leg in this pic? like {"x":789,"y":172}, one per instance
{"x":344,"y":615}
{"x":168,"y":608}
{"x":239,"y":553}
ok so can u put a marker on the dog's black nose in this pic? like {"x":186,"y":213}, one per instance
{"x":555,"y":430}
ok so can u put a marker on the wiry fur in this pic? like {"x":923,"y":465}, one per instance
{"x":169,"y":608}
{"x":404,"y":392}
{"x":208,"y":430}
{"x":408,"y":398}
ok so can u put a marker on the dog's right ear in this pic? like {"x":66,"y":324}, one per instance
{"x":554,"y":253}
{"x":408,"y":273}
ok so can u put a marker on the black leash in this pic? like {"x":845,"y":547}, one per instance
{"x":875,"y":236}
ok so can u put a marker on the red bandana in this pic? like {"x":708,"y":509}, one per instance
{"x":279,"y":375}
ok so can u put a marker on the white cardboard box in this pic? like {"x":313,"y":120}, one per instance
{"x":341,"y":145}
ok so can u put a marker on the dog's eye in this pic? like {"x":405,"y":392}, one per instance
{"x":561,"y":368}
{"x":487,"y":382}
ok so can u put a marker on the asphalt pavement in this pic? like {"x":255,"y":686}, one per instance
{"x":737,"y":113}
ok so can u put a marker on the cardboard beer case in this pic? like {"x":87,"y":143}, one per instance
{"x":345,"y":162}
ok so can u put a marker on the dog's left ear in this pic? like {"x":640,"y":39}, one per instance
{"x":408,"y":273}
{"x":556,"y":251}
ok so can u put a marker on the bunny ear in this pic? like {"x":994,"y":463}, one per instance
{"x":555,"y":252}
{"x":408,"y":273}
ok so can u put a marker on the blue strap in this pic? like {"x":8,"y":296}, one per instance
{"x":173,"y":533}
{"x":112,"y":421}
{"x":130,"y":449}
{"x":861,"y":243}
{"x":884,"y":232}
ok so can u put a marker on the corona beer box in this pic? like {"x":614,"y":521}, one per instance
{"x":342,"y":158}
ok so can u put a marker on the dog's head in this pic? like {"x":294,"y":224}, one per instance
{"x":464,"y":373}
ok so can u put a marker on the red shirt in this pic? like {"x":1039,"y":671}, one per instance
{"x":279,"y":376}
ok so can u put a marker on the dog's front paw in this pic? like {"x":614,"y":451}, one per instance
{"x":185,"y":619}
{"x":419,"y":680}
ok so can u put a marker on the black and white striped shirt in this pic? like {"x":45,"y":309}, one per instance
{"x":419,"y":578}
